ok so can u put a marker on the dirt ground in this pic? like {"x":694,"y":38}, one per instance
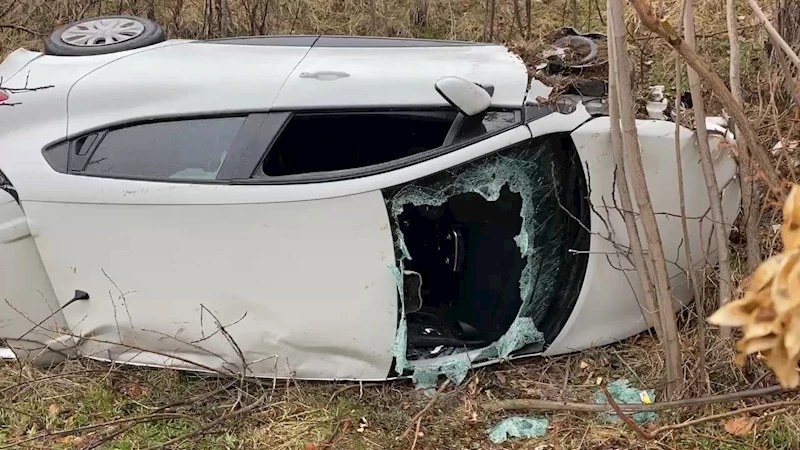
{"x":84,"y":404}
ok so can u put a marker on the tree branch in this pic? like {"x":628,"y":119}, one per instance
{"x":545,"y":405}
{"x":757,"y":152}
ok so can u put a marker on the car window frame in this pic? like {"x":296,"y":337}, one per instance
{"x":251,"y":145}
{"x":252,"y":173}
{"x":246,"y":133}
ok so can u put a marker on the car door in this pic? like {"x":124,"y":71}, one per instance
{"x":30,"y":319}
{"x":171,"y":254}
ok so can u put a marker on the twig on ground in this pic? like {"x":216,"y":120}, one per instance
{"x":247,"y":409}
{"x":416,"y":434}
{"x":724,"y":415}
{"x":422,"y":412}
{"x":342,"y":428}
{"x":54,"y":434}
{"x":339,"y":391}
{"x":530,"y":404}
{"x":60,"y":375}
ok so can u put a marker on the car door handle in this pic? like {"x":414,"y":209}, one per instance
{"x":325,"y":75}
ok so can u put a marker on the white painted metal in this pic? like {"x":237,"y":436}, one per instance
{"x":26,"y":295}
{"x":311,"y":277}
{"x":40,"y":117}
{"x":15,"y":62}
{"x":468,"y":97}
{"x":54,"y":187}
{"x":607,"y":309}
{"x":197,"y":78}
{"x":309,"y":264}
{"x":379,"y":77}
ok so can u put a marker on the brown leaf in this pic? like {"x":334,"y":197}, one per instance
{"x":790,"y":231}
{"x":792,"y":337}
{"x":740,"y":426}
{"x":500,"y":377}
{"x":734,"y":314}
{"x":136,"y":391}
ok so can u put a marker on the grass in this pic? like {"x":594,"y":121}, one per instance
{"x":302,"y":415}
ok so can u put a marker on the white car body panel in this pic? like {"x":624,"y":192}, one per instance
{"x":40,"y":118}
{"x":224,"y":79}
{"x":60,"y":188}
{"x":332,"y":282}
{"x":27,"y":297}
{"x":287,"y":266}
{"x":600,"y":317}
{"x":412,"y":82}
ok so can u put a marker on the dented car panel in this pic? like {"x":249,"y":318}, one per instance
{"x":325,"y":214}
{"x":27,"y":295}
{"x":601,"y":317}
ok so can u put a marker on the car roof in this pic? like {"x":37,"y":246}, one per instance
{"x":269,"y":73}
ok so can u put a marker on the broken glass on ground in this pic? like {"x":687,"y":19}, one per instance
{"x":518,"y":427}
{"x":623,"y":394}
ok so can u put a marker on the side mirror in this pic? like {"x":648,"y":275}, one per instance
{"x":469,"y":98}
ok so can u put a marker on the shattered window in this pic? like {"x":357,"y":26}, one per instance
{"x":486,"y":252}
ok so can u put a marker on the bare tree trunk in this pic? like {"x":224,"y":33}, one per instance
{"x":373,"y":21}
{"x":528,"y":19}
{"x":208,"y":17}
{"x":575,"y":14}
{"x":621,"y":181}
{"x":518,"y":17}
{"x":773,"y":34}
{"x":699,"y":304}
{"x":263,"y":26}
{"x":177,"y":12}
{"x":421,"y":13}
{"x":491,"y":20}
{"x":150,"y":10}
{"x":666,"y":310}
{"x":225,"y":17}
{"x":758,"y":154}
{"x":746,"y":179}
{"x":708,"y":169}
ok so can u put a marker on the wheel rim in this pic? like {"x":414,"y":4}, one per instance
{"x":100,"y":32}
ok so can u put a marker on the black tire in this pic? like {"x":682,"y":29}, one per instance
{"x":152,"y":34}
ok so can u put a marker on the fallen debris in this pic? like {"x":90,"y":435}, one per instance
{"x":546,"y":405}
{"x":518,"y":427}
{"x":623,"y":394}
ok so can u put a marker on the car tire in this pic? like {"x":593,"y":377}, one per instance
{"x":103,"y":35}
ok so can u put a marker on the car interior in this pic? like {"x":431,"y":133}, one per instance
{"x":462,"y":283}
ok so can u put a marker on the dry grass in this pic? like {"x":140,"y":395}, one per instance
{"x":81,"y":393}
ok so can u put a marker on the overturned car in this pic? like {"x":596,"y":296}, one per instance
{"x":317,"y":207}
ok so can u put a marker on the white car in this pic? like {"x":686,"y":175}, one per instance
{"x":343,"y":207}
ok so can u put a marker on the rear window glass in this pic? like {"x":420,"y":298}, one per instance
{"x":183,"y":150}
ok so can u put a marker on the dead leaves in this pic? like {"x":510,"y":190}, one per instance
{"x":740,"y":426}
{"x":769,"y":311}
